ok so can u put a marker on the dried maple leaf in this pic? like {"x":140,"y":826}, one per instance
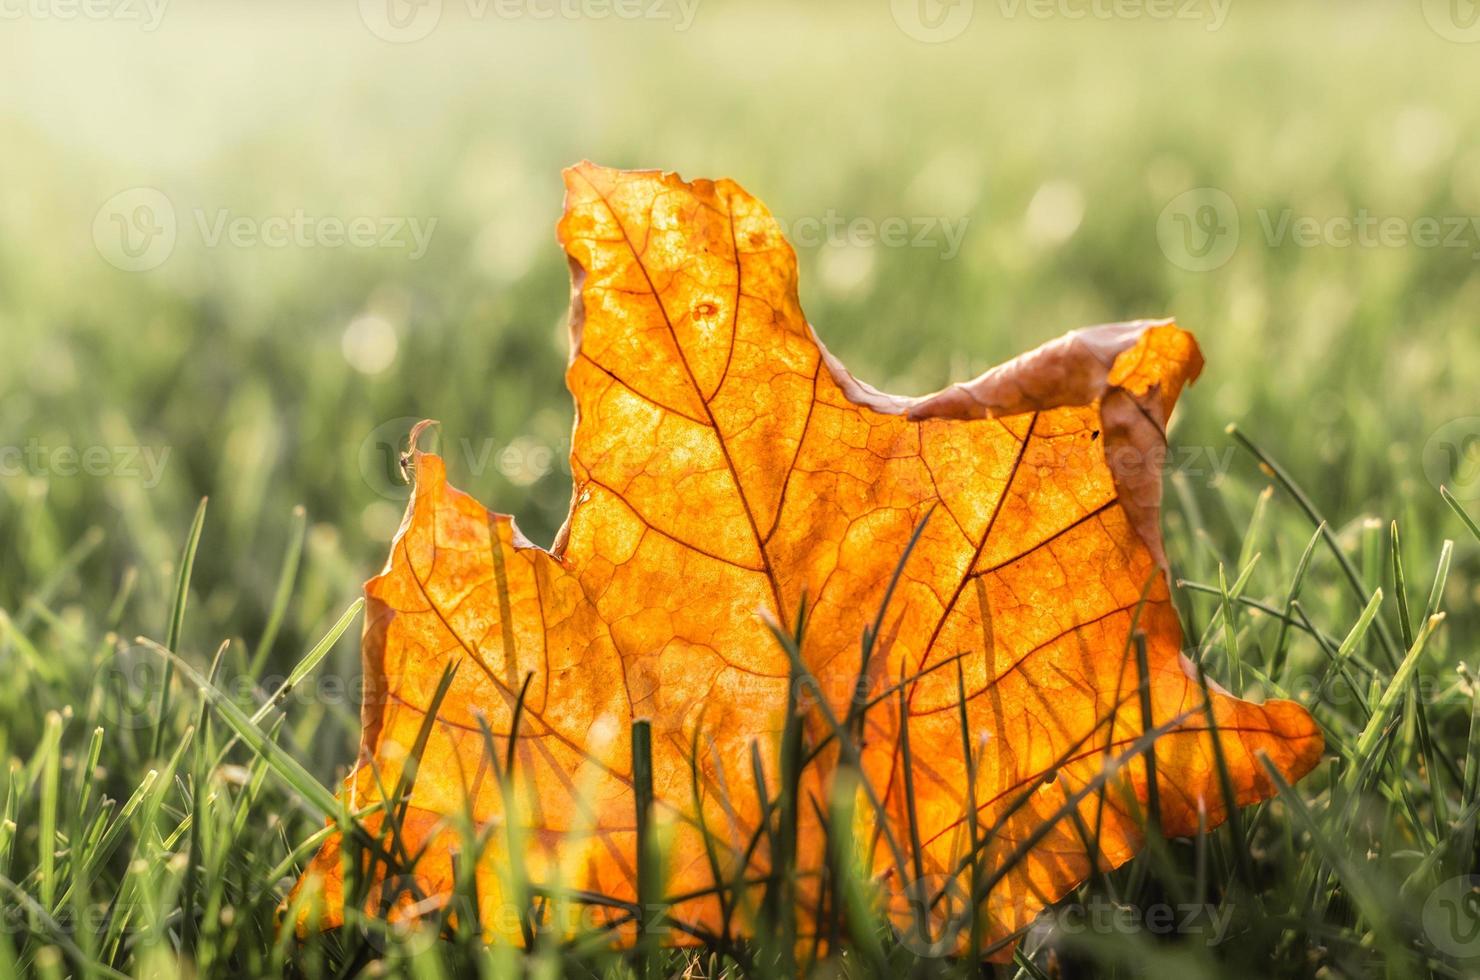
{"x":728,"y":470}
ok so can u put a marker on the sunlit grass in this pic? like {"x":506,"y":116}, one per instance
{"x":134,"y":842}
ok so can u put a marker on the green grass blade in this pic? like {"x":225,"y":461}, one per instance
{"x":1278,"y":656}
{"x":1400,"y":586}
{"x":1230,"y":630}
{"x":46,"y":840}
{"x":310,"y":661}
{"x":1255,"y":528}
{"x":649,"y":887}
{"x":1393,"y":696}
{"x":1459,"y":509}
{"x":1143,"y":690}
{"x":177,"y":621}
{"x":58,"y":934}
{"x":1470,"y":792}
{"x":281,"y":595}
{"x":289,"y":769}
{"x":1441,"y":578}
{"x":1354,"y":580}
{"x":1233,"y":819}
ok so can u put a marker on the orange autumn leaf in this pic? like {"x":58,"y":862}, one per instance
{"x":728,"y":475}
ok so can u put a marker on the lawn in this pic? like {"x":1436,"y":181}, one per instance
{"x":361,"y":236}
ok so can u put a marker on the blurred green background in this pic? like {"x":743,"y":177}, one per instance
{"x":1059,"y":141}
